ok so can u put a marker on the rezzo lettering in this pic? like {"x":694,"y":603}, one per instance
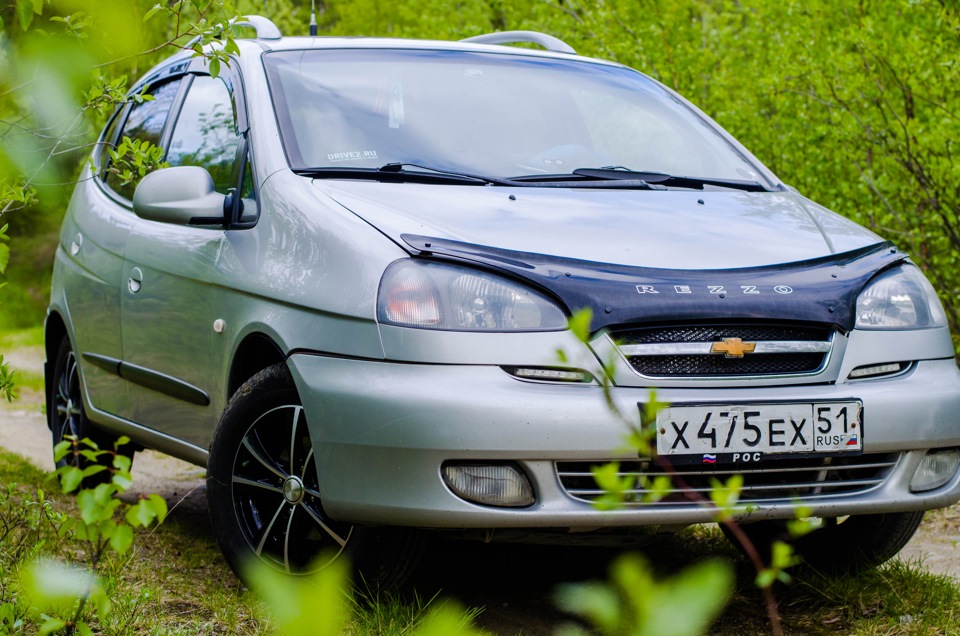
{"x":751,"y":290}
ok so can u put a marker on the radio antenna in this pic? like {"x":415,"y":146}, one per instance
{"x":313,"y":17}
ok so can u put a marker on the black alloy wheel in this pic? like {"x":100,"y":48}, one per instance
{"x":276,"y":495}
{"x":264,"y":496}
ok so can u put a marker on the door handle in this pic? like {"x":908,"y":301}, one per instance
{"x":135,"y":280}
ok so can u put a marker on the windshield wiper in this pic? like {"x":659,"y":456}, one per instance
{"x":399,"y":173}
{"x":618,"y":174}
{"x":396,"y":173}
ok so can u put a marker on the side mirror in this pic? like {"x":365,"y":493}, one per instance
{"x":183,"y":195}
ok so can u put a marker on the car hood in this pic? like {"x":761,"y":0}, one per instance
{"x":670,"y":229}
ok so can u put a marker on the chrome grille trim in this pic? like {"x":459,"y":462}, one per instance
{"x":688,"y":352}
{"x":704,"y":348}
{"x":794,"y":480}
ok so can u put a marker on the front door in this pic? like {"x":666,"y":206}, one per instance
{"x":173,"y":352}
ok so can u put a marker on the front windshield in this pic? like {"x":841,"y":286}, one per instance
{"x":489,"y":114}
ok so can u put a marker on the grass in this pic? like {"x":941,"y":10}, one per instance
{"x":898,"y":598}
{"x":175,"y":580}
{"x":22,"y":350}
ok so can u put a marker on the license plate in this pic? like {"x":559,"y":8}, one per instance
{"x":750,"y":432}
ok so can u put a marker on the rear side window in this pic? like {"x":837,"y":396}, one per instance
{"x":110,"y":134}
{"x":145,"y":122}
{"x":205,"y":134}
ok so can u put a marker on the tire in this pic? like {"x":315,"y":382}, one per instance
{"x":264,"y":500}
{"x":66,"y":416}
{"x":845,"y":545}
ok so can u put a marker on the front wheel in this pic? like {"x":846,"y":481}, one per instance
{"x":840,"y":545}
{"x":264,"y":495}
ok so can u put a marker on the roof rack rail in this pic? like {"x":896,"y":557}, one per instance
{"x":265,"y":28}
{"x":510,"y":37}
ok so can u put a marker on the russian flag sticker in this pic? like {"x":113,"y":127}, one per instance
{"x":709,"y":459}
{"x":852,"y":441}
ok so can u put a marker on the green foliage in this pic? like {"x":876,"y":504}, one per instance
{"x":133,"y":159}
{"x":105,"y":520}
{"x":7,"y":385}
{"x":320,"y":604}
{"x":64,"y":597}
{"x":725,"y":495}
{"x":26,"y":9}
{"x":306,"y":606}
{"x":633,"y":603}
{"x":58,"y":590}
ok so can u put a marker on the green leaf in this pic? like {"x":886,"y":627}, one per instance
{"x":60,"y":450}
{"x":140,"y":514}
{"x":303,"y":606}
{"x":84,"y":629}
{"x":152,"y":12}
{"x":70,"y":478}
{"x":90,"y":455}
{"x":38,"y":7}
{"x":580,"y":324}
{"x":214,"y":67}
{"x":159,"y":506}
{"x":686,"y":604}
{"x":25,"y":13}
{"x":122,"y":538}
{"x":231,"y":46}
{"x":53,"y":585}
{"x":93,"y":470}
{"x":52,"y":626}
{"x":4,"y":257}
{"x":122,"y":462}
{"x":766,"y":577}
{"x":634,"y":603}
{"x":89,"y":508}
{"x":597,"y":602}
{"x":122,"y":480}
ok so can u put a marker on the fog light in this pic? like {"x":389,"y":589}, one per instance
{"x":935,"y":469}
{"x":875,"y":370}
{"x":489,"y":484}
{"x":549,"y":375}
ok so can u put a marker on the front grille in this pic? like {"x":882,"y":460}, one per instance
{"x":770,"y":364}
{"x":662,"y":363}
{"x":715,"y":333}
{"x":783,"y":479}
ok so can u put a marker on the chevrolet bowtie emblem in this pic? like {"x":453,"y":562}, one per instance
{"x":733,"y":347}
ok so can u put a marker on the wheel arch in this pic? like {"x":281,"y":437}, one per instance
{"x":256,"y":352}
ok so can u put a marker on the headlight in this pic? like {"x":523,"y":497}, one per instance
{"x":453,"y":298}
{"x":900,"y":299}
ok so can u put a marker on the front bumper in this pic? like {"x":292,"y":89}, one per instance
{"x":381,"y":431}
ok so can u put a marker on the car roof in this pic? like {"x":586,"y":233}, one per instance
{"x":255,"y":47}
{"x":340,"y":42}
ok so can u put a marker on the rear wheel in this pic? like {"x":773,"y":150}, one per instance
{"x":67,"y":418}
{"x":844,"y":544}
{"x":264,"y":495}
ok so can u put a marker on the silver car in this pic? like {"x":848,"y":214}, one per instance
{"x":347,"y":294}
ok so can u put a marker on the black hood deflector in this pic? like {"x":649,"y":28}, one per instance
{"x":822,"y":290}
